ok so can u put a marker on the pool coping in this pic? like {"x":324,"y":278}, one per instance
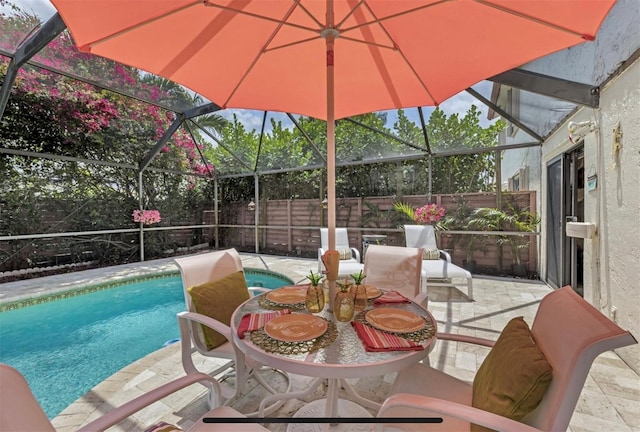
{"x":94,"y":287}
{"x":86,"y":289}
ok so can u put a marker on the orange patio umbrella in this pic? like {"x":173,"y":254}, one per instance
{"x":329,"y":59}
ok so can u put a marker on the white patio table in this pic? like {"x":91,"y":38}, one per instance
{"x":344,"y":358}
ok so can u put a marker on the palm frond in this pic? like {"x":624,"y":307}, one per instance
{"x":405,"y":209}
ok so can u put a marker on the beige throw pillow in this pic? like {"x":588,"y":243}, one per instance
{"x":431,"y":254}
{"x":345,"y":253}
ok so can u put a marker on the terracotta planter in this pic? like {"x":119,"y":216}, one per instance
{"x":469,"y":265}
{"x":519,"y":270}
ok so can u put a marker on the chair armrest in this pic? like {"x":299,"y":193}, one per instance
{"x":187,"y":348}
{"x":467,"y":339}
{"x":212,"y":323}
{"x":412,"y":405}
{"x":445,"y":256}
{"x":356,"y":253}
{"x":122,"y":412}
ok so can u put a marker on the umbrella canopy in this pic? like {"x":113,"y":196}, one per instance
{"x":329,"y":59}
{"x":271,"y":55}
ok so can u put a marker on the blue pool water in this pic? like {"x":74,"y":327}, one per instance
{"x":66,"y":347}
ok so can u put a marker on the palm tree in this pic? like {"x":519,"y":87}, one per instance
{"x":173,"y":94}
{"x":513,"y":218}
{"x":213,"y":123}
{"x":181,"y":97}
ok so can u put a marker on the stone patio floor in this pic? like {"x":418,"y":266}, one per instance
{"x":610,"y":400}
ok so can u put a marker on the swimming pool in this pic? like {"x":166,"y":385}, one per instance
{"x":66,"y":347}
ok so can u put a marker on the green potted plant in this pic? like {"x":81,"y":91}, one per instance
{"x":428,"y":214}
{"x":461,"y":219}
{"x":519,"y":220}
{"x":511,"y":218}
{"x":374,"y":217}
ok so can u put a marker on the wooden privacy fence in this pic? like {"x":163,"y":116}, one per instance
{"x":286,"y":227}
{"x":291,"y":227}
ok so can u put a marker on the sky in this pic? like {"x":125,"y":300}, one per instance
{"x":42,"y":8}
{"x":459,"y":103}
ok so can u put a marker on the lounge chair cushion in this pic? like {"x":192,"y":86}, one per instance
{"x":219,"y":299}
{"x":431,"y":254}
{"x":345,"y":253}
{"x":514,"y":377}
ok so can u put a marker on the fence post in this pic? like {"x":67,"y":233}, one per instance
{"x":141,"y":206}
{"x":289,"y":230}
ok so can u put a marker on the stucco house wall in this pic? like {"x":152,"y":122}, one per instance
{"x":612,"y":257}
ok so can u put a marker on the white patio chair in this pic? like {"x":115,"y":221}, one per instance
{"x":197,"y":270}
{"x":440,"y":271}
{"x":21,"y":412}
{"x":395,"y":268}
{"x":567,"y":331}
{"x":349,"y":263}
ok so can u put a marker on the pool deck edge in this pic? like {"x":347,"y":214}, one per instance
{"x":31,"y":291}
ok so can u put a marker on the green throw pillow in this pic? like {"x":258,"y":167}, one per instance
{"x":514,"y":377}
{"x":431,"y":254}
{"x":345,"y":254}
{"x":219,"y":299}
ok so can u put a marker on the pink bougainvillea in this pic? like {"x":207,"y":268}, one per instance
{"x":147,"y":217}
{"x":429,"y":214}
{"x":84,"y":111}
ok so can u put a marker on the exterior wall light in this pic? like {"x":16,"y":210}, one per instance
{"x":251,"y":206}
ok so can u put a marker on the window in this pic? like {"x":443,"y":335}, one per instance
{"x":513,"y":109}
{"x":520,"y":180}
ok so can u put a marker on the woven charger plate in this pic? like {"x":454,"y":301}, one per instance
{"x":288,"y":295}
{"x":394,"y":320}
{"x":295,"y":327}
{"x":372,"y":292}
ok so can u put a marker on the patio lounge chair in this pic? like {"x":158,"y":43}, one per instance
{"x":350,"y":256}
{"x":20,"y":411}
{"x":204,"y":327}
{"x":566,"y":336}
{"x":438,"y":271}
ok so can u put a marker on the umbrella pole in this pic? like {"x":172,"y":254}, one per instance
{"x":332,"y":274}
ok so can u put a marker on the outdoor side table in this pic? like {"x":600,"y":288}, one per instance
{"x":372,"y":239}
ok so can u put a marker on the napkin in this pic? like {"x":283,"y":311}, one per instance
{"x":391,"y":297}
{"x":255,"y":321}
{"x":376,"y":340}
